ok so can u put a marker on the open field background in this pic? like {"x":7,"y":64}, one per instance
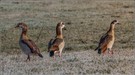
{"x":86,"y":21}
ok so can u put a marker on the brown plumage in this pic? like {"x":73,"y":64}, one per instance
{"x":57,"y":45}
{"x":107,"y":40}
{"x":27,"y":45}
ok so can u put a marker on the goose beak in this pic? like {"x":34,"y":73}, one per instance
{"x":13,"y":29}
{"x":16,"y":26}
{"x":64,"y":28}
{"x":118,"y":23}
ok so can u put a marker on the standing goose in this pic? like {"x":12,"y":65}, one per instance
{"x":107,"y":40}
{"x":27,"y":45}
{"x":57,"y":45}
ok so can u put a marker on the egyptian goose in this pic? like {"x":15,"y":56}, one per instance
{"x":107,"y":40}
{"x":56,"y":45}
{"x":27,"y":45}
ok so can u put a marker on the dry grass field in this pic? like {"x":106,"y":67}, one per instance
{"x":86,"y":21}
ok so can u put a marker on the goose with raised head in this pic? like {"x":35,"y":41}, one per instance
{"x":27,"y":45}
{"x":56,"y":45}
{"x":107,"y":40}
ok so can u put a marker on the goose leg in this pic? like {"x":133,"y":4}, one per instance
{"x":28,"y":58}
{"x":110,"y":51}
{"x":60,"y":55}
{"x":60,"y":51}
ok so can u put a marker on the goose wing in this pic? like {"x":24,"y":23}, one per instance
{"x":31,"y":44}
{"x":105,"y":39}
{"x":55,"y":44}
